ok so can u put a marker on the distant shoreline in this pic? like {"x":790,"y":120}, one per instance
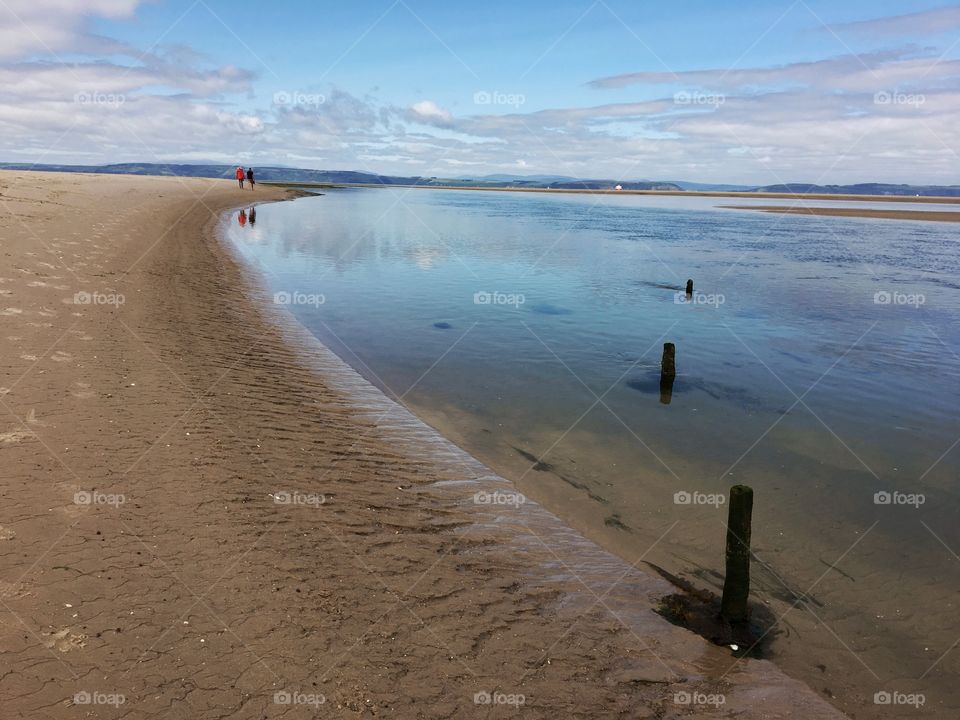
{"x":933,"y":199}
{"x":929,"y":215}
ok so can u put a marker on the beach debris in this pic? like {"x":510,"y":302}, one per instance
{"x":736,"y":583}
{"x":690,"y":287}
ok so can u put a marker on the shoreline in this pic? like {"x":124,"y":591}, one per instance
{"x":391,"y":595}
{"x":931,"y":215}
{"x":931,"y":199}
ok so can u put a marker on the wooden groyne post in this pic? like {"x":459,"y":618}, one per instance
{"x":668,"y":372}
{"x":736,"y":584}
{"x":668,"y":363}
{"x":689,"y":287}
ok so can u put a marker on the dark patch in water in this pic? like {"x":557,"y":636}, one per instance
{"x":548,"y":309}
{"x":537,"y":464}
{"x":614,"y":521}
{"x":541,"y":466}
{"x":443,"y":325}
{"x":793,"y":356}
{"x":658,"y":285}
{"x":649,"y":384}
{"x":698,"y":609}
{"x":944,"y":283}
{"x":834,"y":567}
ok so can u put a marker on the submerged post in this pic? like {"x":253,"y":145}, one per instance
{"x":668,"y":371}
{"x":668,"y":363}
{"x":689,"y":287}
{"x":736,"y":584}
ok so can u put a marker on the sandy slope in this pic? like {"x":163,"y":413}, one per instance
{"x":143,"y":556}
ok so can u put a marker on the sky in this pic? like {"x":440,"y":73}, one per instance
{"x":753,"y":92}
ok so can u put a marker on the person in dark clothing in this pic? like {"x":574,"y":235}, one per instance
{"x":250,"y":177}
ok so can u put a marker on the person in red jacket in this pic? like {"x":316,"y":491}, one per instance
{"x":240,"y":176}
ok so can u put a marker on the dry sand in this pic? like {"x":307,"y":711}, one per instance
{"x":935,"y":215}
{"x":149,"y":425}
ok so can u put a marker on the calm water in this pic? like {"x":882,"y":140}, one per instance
{"x":818,"y":362}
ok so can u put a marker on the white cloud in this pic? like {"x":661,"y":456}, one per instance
{"x":926,"y":22}
{"x":51,"y":26}
{"x":429,"y":111}
{"x":804,"y":121}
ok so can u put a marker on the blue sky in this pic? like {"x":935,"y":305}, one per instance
{"x":751,"y":92}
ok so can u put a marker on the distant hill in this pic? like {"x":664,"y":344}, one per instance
{"x":864,"y":189}
{"x":351,"y":177}
{"x":265,"y":174}
{"x":712,"y":187}
{"x":279,"y":173}
{"x":517,"y":178}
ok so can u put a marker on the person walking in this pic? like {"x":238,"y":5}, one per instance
{"x":250,"y":177}
{"x":240,"y":176}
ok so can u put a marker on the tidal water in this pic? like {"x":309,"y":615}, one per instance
{"x":818,"y":361}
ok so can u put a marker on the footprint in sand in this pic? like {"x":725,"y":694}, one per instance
{"x":15,"y":436}
{"x":10,"y":590}
{"x":61,"y":356}
{"x":64,"y":640}
{"x":7,"y":312}
{"x":83,"y":391}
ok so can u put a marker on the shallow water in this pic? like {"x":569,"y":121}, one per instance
{"x":818,"y":362}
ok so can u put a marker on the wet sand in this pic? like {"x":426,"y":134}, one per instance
{"x":934,"y":215}
{"x":204,"y":508}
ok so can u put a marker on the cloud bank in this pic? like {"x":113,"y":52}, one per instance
{"x":69,"y":95}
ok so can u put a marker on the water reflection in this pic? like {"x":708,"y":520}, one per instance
{"x":799,"y":382}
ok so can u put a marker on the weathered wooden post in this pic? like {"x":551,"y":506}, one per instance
{"x":668,"y":372}
{"x":689,"y":287}
{"x":668,"y":363}
{"x":736,"y":584}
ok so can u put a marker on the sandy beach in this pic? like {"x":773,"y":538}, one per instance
{"x":933,"y":215}
{"x":201,"y":523}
